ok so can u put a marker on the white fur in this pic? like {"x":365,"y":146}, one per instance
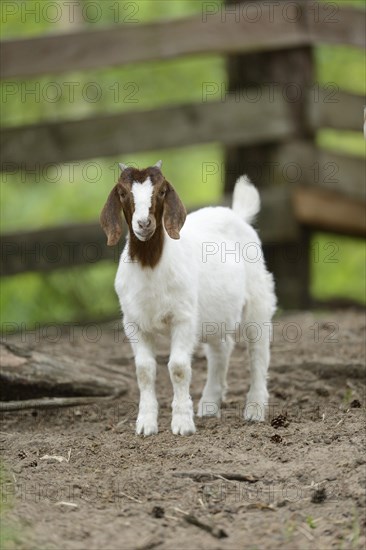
{"x":142,"y":194}
{"x":246,"y":200}
{"x":198,"y":292}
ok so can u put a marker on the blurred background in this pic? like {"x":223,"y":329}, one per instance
{"x":76,"y":191}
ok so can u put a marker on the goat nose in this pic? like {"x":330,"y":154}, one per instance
{"x":144,"y":224}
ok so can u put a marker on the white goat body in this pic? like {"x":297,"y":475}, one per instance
{"x":198,"y":292}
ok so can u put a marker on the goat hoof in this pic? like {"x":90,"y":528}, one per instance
{"x":146,"y":426}
{"x":183,"y":424}
{"x":255,"y":410}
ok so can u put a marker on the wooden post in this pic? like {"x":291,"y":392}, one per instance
{"x":289,"y":71}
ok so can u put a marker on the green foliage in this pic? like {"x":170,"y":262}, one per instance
{"x":350,"y":143}
{"x":27,"y":18}
{"x":348,"y":3}
{"x":342,"y":68}
{"x":310,"y":522}
{"x":338,"y":269}
{"x":77,"y":294}
{"x":341,"y":65}
{"x":110,"y":90}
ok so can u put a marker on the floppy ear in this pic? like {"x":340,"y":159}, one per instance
{"x":174,"y":212}
{"x":110,"y":217}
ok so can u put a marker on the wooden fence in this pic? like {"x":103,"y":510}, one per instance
{"x":328,"y":195}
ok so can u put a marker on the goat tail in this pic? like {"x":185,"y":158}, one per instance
{"x":246,"y":200}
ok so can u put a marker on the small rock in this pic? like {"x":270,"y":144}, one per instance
{"x":67,"y":506}
{"x":276,"y":438}
{"x":323,"y":392}
{"x":355,"y":404}
{"x":158,"y":512}
{"x":331,"y":477}
{"x":319,"y":496}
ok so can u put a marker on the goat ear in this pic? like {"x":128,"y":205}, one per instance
{"x":174,"y":212}
{"x":110,"y":217}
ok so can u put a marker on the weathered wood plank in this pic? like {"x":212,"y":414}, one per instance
{"x":299,"y":162}
{"x":228,"y":122}
{"x":260,"y":27}
{"x":333,"y":24}
{"x":54,"y":248}
{"x":124,"y":44}
{"x":323,"y":209}
{"x":330,"y":107}
{"x":231,"y":122}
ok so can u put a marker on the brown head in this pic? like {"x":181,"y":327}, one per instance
{"x":148,"y":201}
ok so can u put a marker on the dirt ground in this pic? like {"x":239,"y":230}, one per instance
{"x":302,"y":485}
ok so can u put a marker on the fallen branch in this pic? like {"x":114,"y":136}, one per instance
{"x":211,"y":476}
{"x":30,"y":374}
{"x":215,"y":531}
{"x":65,"y":504}
{"x":260,"y":506}
{"x":121,"y":493}
{"x":53,"y":402}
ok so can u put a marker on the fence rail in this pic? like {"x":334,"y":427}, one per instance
{"x":181,"y":125}
{"x":233,"y":121}
{"x":303,"y":163}
{"x":259,"y":28}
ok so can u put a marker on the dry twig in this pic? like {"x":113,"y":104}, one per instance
{"x":215,"y":531}
{"x":211,"y":476}
{"x":52,"y":402}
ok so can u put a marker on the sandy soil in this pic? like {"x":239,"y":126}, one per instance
{"x":305,"y":484}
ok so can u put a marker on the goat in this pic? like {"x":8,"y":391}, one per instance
{"x":171,"y":278}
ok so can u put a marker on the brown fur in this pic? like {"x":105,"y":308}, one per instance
{"x":148,"y":253}
{"x":168,"y":208}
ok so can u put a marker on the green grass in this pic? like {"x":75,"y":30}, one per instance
{"x":9,"y":533}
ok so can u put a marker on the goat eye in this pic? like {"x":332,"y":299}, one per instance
{"x":162,"y":193}
{"x":122,"y":195}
